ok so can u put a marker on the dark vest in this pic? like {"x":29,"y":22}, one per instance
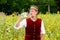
{"x":33,"y":29}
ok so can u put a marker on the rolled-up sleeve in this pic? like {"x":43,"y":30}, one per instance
{"x":22,"y":24}
{"x":42,"y":28}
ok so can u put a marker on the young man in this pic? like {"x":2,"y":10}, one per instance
{"x":34,"y":26}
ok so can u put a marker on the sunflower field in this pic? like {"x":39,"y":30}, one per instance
{"x":51,"y":23}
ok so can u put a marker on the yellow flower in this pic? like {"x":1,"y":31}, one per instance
{"x":58,"y":12}
{"x":48,"y":29}
{"x":13,"y":15}
{"x":57,"y":35}
{"x":7,"y":19}
{"x":15,"y":38}
{"x":46,"y":35}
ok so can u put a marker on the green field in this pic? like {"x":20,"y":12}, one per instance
{"x":51,"y":23}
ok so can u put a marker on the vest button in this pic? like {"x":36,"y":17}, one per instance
{"x":34,"y":33}
{"x":33,"y":39}
{"x":34,"y":25}
{"x":34,"y":30}
{"x":33,"y":36}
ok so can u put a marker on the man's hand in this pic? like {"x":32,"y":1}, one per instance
{"x":22,"y":16}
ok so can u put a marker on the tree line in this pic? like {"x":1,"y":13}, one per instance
{"x":10,"y":6}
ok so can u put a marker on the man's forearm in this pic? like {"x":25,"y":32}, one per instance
{"x":42,"y":36}
{"x":18,"y":22}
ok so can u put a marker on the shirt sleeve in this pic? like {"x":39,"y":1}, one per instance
{"x":42,"y":28}
{"x":22,"y":24}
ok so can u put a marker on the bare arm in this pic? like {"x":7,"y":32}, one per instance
{"x":22,"y":16}
{"x":42,"y":36}
{"x":18,"y":22}
{"x":42,"y":31}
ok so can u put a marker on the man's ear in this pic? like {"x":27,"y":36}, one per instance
{"x":36,"y":13}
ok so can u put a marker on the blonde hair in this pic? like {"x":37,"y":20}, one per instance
{"x":34,"y":7}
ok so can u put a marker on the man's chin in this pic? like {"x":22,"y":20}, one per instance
{"x":31,"y":16}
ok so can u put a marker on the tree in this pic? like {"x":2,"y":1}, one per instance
{"x":9,"y":6}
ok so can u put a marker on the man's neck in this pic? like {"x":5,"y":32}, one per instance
{"x":34,"y":18}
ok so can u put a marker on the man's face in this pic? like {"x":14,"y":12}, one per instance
{"x":32,"y":12}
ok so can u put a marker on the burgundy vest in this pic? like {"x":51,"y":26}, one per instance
{"x":33,"y":29}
